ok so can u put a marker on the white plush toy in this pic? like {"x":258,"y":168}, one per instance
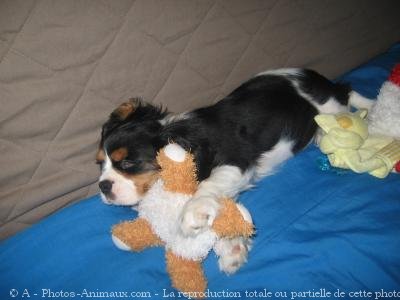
{"x":384,"y":116}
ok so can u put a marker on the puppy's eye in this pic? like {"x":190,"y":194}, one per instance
{"x":126,"y":164}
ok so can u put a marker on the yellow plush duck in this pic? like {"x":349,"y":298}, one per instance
{"x":348,"y":145}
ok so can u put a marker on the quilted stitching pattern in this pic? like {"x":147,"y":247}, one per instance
{"x":64,"y":65}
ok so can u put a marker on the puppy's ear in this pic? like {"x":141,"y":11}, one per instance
{"x":126,"y":109}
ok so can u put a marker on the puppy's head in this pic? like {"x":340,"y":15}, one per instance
{"x":128,"y":147}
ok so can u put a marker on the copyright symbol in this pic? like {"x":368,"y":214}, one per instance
{"x":13,"y":293}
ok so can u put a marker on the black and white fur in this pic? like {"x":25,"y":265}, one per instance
{"x":236,"y":141}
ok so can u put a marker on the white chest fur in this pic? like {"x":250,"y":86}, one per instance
{"x":162,"y":210}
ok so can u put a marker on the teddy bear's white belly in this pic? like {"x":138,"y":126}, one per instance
{"x":162,"y":210}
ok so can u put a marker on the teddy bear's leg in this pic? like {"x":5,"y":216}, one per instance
{"x":186,"y":275}
{"x":232,"y":253}
{"x":134,"y":235}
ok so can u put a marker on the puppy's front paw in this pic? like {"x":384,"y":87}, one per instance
{"x":198,"y":215}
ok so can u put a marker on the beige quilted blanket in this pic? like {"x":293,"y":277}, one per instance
{"x":65,"y":64}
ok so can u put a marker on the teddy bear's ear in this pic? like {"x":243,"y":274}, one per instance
{"x":175,"y":152}
{"x":178,"y":169}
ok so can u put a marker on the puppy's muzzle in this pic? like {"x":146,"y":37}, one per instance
{"x":105,"y":186}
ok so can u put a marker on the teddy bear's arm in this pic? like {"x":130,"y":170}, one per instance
{"x":137,"y":234}
{"x":233,"y":220}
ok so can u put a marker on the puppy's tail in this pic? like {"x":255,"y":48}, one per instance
{"x":360,"y":102}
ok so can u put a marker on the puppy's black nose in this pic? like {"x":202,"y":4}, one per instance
{"x":105,"y":186}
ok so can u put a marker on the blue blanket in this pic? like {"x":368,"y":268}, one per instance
{"x":321,"y":234}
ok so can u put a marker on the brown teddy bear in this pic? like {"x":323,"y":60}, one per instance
{"x":158,"y":222}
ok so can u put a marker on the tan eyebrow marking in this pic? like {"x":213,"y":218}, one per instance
{"x":100,"y":155}
{"x":119,"y":154}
